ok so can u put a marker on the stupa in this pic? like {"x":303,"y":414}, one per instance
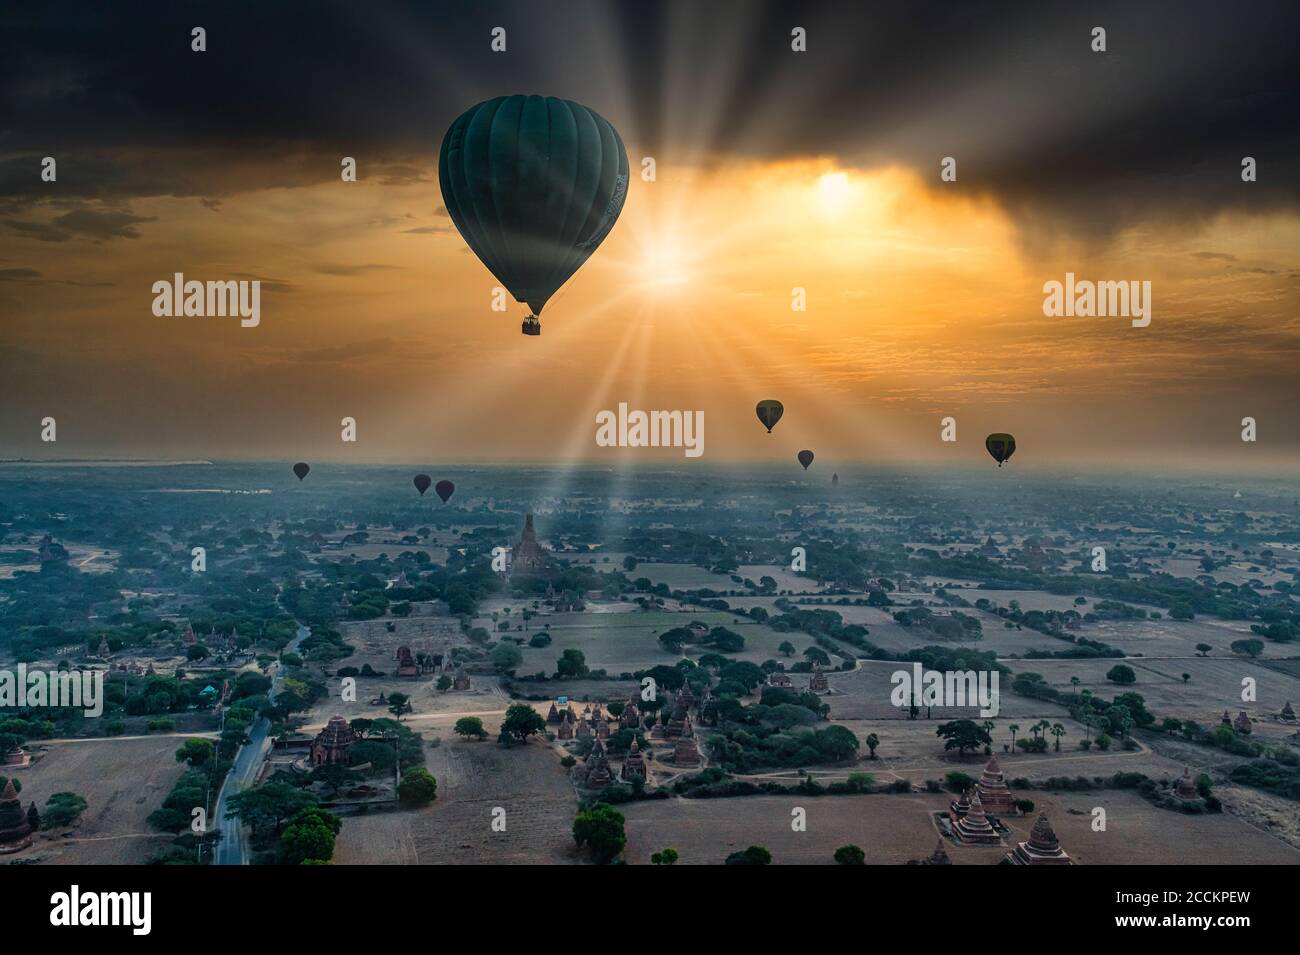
{"x":974,"y":827}
{"x":938,"y":857}
{"x":461,"y":680}
{"x":1185,"y":788}
{"x":1043,"y":848}
{"x":406,"y":665}
{"x":993,"y":791}
{"x":630,"y":718}
{"x":634,"y":765}
{"x":686,"y":753}
{"x":1288,"y":714}
{"x":554,"y":715}
{"x":818,"y":682}
{"x":680,"y":720}
{"x":566,"y":727}
{"x":333,"y":745}
{"x":15,"y":828}
{"x":960,"y":806}
{"x":528,"y":557}
{"x":584,"y":729}
{"x":598,"y":774}
{"x":1242,"y":723}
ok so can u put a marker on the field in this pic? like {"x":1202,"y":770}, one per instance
{"x":122,"y":780}
{"x":893,"y":829}
{"x":626,"y":642}
{"x":473,"y":779}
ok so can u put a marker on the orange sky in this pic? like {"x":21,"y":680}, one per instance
{"x":922,"y":301}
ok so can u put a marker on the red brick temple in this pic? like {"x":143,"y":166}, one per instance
{"x":1043,"y":848}
{"x":993,"y":792}
{"x":974,"y":828}
{"x":333,"y":745}
{"x":15,"y":826}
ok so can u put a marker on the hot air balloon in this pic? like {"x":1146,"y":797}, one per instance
{"x":301,"y":469}
{"x":835,"y":480}
{"x":445,"y":489}
{"x":1001,"y":446}
{"x":805,"y":458}
{"x":533,"y":184}
{"x":422,"y":482}
{"x":769,"y":412}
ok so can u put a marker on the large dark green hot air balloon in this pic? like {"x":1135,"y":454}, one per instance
{"x":1001,"y":446}
{"x":534,"y":184}
{"x":769,"y":412}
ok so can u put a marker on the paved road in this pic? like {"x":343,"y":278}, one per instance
{"x":232,"y":849}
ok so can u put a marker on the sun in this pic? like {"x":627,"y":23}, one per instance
{"x":835,"y":191}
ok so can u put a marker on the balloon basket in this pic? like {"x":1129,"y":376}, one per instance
{"x":532,"y":325}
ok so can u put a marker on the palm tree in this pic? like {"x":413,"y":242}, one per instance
{"x":1014,"y":728}
{"x":872,"y":742}
{"x":1058,"y":731}
{"x":1074,"y":682}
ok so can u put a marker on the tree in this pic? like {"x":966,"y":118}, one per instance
{"x":1014,"y":728}
{"x":1250,"y":648}
{"x":444,"y":683}
{"x":196,"y":652}
{"x":1203,"y":649}
{"x":1186,"y":677}
{"x":308,"y":837}
{"x":786,"y":648}
{"x":962,"y":735}
{"x":267,"y":807}
{"x":506,"y":656}
{"x":1121,"y":674}
{"x":600,"y":829}
{"x":664,"y":857}
{"x":196,"y":752}
{"x":872,"y":742}
{"x":418,"y":787}
{"x":572,"y":665}
{"x":399,"y":703}
{"x":850,"y":855}
{"x":1057,"y":730}
{"x":468,"y":726}
{"x":754,"y":855}
{"x":522,"y":721}
{"x":62,"y":809}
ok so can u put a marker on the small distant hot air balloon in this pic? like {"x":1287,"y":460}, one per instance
{"x":835,"y":480}
{"x":422,"y":482}
{"x":445,"y":489}
{"x":301,"y":469}
{"x":1001,"y":446}
{"x":805,"y":458}
{"x":769,"y":412}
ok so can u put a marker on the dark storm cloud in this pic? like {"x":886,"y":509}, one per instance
{"x":94,"y":224}
{"x":1153,"y":130}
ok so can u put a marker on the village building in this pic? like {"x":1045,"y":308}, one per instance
{"x":406,"y":665}
{"x":779,"y":678}
{"x":333,"y":745}
{"x":1042,"y":848}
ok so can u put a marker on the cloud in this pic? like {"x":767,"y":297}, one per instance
{"x":82,"y":222}
{"x":349,"y":270}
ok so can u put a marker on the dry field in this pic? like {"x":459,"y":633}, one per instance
{"x":122,"y":780}
{"x":474,"y":778}
{"x":893,"y":829}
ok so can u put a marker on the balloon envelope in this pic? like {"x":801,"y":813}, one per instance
{"x":422,"y":482}
{"x":301,"y":469}
{"x":805,"y":458}
{"x":769,"y":412}
{"x":1001,"y":446}
{"x":445,"y":490}
{"x":533,"y":184}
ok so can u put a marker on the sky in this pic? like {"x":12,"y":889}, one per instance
{"x":775,"y":170}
